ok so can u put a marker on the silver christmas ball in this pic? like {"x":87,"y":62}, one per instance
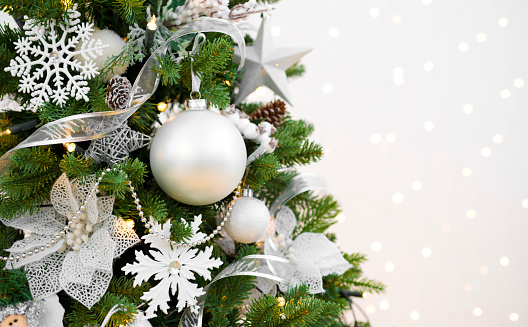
{"x":249,"y":221}
{"x":198,"y":156}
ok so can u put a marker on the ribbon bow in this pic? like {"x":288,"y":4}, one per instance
{"x":314,"y":254}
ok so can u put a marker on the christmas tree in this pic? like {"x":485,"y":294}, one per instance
{"x":140,"y":187}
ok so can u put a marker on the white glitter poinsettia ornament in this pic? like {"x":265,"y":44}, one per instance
{"x":45,"y":61}
{"x":173,"y":267}
{"x":81,"y":262}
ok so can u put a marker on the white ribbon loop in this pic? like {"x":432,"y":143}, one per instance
{"x":299,"y":184}
{"x":195,"y":77}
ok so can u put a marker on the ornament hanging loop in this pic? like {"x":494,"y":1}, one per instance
{"x":195,"y":77}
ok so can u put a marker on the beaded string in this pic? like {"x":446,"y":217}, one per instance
{"x":148,"y":226}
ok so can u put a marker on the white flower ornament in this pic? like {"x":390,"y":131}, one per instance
{"x":80,"y":263}
{"x":173,"y":267}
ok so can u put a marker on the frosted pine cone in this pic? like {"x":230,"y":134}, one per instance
{"x":273,"y":112}
{"x":118,"y":92}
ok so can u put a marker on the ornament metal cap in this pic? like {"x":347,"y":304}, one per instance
{"x":247,"y":192}
{"x":196,"y":104}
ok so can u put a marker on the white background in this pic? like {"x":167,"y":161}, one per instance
{"x":370,"y":96}
{"x":378,"y":40}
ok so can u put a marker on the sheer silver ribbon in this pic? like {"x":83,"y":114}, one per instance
{"x":279,"y":241}
{"x":89,"y":126}
{"x":251,"y":265}
{"x":299,"y":184}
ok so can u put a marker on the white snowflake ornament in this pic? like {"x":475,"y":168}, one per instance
{"x":81,"y":263}
{"x":45,"y":61}
{"x":173,"y":267}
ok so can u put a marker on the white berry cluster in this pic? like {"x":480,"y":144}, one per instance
{"x":192,"y":9}
{"x":261,"y":134}
{"x":78,"y":234}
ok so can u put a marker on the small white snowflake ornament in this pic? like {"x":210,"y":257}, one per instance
{"x":173,"y":267}
{"x":46,"y":61}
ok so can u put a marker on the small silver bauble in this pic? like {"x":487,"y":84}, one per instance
{"x":198,"y":156}
{"x":250,"y":219}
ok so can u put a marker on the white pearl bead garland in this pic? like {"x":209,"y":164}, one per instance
{"x":74,"y":219}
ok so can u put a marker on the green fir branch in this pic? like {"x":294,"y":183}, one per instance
{"x":212,"y":58}
{"x":294,"y":146}
{"x":249,"y":108}
{"x":28,"y":181}
{"x":296,"y":70}
{"x":300,"y":310}
{"x":211,"y":63}
{"x":169,"y":70}
{"x":180,"y":232}
{"x":262,"y":170}
{"x":133,"y":51}
{"x":116,"y":181}
{"x":131,"y":11}
{"x":314,"y":214}
{"x":42,"y":11}
{"x":215,"y":92}
{"x":97,"y":96}
{"x":154,"y":206}
{"x":350,"y":280}
{"x":124,"y":286}
{"x":80,"y":316}
{"x":121,"y":317}
{"x":14,"y":287}
{"x":8,"y":37}
{"x":144,"y":117}
{"x":77,"y":167}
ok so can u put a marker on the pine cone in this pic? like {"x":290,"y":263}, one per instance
{"x":118,"y":92}
{"x":273,"y":112}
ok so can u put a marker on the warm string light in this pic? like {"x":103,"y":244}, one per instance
{"x":374,"y":12}
{"x":417,"y":185}
{"x":334,"y":32}
{"x":328,"y":88}
{"x":396,"y":19}
{"x":377,"y":246}
{"x":70,"y":146}
{"x":463,"y":47}
{"x":6,"y":132}
{"x":162,"y":106}
{"x":427,"y":252}
{"x":150,"y":32}
{"x":151,"y":25}
{"x":130,"y":223}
